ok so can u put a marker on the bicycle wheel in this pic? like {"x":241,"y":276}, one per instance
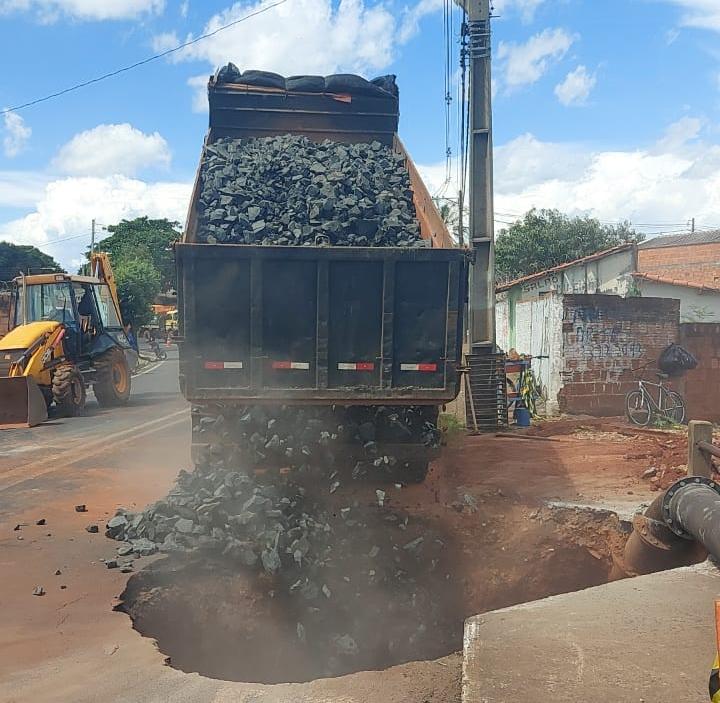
{"x":674,"y":408}
{"x":637,"y":408}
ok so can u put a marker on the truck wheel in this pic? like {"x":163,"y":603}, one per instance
{"x":112,"y":382}
{"x":68,"y":390}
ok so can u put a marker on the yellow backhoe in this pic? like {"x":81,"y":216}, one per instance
{"x":66,"y":334}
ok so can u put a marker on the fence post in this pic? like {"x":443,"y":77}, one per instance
{"x":699,"y":462}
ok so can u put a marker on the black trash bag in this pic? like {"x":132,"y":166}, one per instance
{"x":386,"y":83}
{"x":674,"y":360}
{"x":305,"y":84}
{"x":228,"y":74}
{"x":263,"y":79}
{"x":352,"y":84}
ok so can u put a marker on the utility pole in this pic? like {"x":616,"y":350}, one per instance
{"x":92,"y":238}
{"x":693,"y":226}
{"x":482,"y":221}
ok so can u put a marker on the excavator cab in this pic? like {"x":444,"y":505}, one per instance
{"x":66,"y":335}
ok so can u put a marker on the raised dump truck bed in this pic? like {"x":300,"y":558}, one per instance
{"x":319,"y":324}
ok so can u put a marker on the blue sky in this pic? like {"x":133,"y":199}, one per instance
{"x":605,"y":108}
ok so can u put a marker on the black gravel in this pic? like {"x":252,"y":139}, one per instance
{"x":288,"y":190}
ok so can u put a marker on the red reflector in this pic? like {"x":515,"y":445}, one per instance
{"x":214,"y":365}
{"x":427,"y":367}
{"x":281,"y":365}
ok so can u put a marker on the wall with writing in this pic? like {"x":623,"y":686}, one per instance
{"x":607,"y":340}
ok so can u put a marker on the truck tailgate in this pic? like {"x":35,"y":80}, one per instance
{"x":320,"y":324}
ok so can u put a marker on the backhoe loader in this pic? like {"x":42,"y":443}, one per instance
{"x":66,"y":334}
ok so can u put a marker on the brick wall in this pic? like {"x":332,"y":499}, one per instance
{"x":697,"y":263}
{"x":605,"y":339}
{"x":701,"y":385}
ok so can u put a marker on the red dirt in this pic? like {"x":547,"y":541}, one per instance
{"x":508,"y":548}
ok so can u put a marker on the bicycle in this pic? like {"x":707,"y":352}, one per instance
{"x":641,"y":408}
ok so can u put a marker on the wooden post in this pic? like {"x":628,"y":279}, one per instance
{"x":699,"y":462}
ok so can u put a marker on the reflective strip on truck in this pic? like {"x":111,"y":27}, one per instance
{"x":298,"y":365}
{"x":219,"y":365}
{"x":418,"y":367}
{"x":356,"y":366}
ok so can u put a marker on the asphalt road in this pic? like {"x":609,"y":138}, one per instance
{"x":37,"y":461}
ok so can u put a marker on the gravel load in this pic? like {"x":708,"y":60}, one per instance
{"x":288,"y":190}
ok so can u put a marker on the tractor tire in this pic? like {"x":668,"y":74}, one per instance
{"x":68,"y":390}
{"x":112,"y":382}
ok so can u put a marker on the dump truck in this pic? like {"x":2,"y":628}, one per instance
{"x":66,"y":334}
{"x":318,"y":325}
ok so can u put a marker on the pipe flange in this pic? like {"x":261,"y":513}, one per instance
{"x":667,"y":499}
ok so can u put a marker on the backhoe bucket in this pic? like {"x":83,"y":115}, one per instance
{"x":22,"y":403}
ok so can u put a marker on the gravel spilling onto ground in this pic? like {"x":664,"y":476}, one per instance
{"x":288,"y":190}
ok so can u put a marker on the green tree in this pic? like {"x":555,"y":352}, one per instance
{"x":546,"y":238}
{"x":138,"y":283}
{"x":15,"y":259}
{"x":146,"y":240}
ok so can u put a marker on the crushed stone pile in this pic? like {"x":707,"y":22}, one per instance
{"x":288,"y":190}
{"x":220,"y":507}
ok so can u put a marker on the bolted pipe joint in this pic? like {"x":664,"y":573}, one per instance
{"x":691,"y":509}
{"x":679,"y":528}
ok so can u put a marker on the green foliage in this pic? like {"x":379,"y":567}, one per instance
{"x":145,"y":240}
{"x":138,"y":283}
{"x":15,"y":259}
{"x":546,"y":238}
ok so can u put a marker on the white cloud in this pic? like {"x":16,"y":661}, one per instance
{"x":16,"y":134}
{"x":525,"y":8}
{"x":671,"y":180}
{"x":200,"y":95}
{"x":702,"y":14}
{"x":410,"y":24}
{"x":576,"y":87}
{"x":309,"y":35}
{"x":21,"y":189}
{"x":52,"y":10}
{"x":67,"y":206}
{"x":112,"y":149}
{"x":184,"y":8}
{"x":524,"y":64}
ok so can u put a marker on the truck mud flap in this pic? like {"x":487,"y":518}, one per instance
{"x":22,"y":403}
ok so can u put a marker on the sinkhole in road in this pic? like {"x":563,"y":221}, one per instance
{"x":369,"y":612}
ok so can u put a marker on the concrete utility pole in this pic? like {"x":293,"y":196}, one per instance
{"x":92,"y":238}
{"x":482,"y":234}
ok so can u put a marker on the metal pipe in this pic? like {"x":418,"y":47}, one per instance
{"x":679,"y":528}
{"x":691,"y":509}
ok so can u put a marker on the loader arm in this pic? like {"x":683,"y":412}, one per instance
{"x":100,"y":268}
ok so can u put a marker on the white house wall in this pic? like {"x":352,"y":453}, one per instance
{"x":695,"y":306}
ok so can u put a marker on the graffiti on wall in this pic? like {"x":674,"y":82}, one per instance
{"x":599,"y":339}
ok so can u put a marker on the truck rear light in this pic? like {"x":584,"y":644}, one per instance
{"x":418,"y":367}
{"x":296,"y":365}
{"x":219,"y":365}
{"x":356,"y":366}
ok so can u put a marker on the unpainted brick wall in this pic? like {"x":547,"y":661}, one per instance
{"x":701,"y":386}
{"x":696,"y":263}
{"x":606,"y":341}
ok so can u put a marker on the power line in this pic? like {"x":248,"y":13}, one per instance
{"x":155,"y":57}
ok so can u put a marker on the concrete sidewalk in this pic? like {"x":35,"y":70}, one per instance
{"x":648,"y":639}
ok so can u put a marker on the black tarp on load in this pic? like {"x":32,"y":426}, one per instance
{"x":345,"y":83}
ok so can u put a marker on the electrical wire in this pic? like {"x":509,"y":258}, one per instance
{"x":155,"y":57}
